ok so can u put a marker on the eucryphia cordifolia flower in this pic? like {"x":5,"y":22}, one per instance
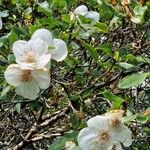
{"x":32,"y":54}
{"x":57,"y":47}
{"x":27,"y":81}
{"x":104,"y":133}
{"x":83,"y":10}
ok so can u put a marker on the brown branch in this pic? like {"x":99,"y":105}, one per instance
{"x":35,"y":128}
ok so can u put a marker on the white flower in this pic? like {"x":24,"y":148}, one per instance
{"x":57,"y":47}
{"x":27,"y":81}
{"x":121,"y":132}
{"x":32,"y":53}
{"x":1,"y":23}
{"x":83,"y":10}
{"x":103,"y":133}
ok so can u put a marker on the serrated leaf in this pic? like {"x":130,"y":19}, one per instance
{"x":132,"y":80}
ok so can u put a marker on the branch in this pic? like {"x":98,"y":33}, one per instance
{"x":36,"y":128}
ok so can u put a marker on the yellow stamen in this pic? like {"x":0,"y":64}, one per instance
{"x":25,"y":75}
{"x":29,"y":57}
{"x":103,"y":137}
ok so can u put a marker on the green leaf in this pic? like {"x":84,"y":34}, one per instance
{"x":129,"y":118}
{"x":70,"y":61}
{"x":4,"y":13}
{"x":106,"y":48}
{"x":143,"y":59}
{"x":18,"y":107}
{"x":4,"y":39}
{"x":148,"y":35}
{"x":5,"y":91}
{"x":132,"y":80}
{"x":92,"y":51}
{"x":59,"y":144}
{"x":101,"y":27}
{"x":125,"y":65}
{"x":59,"y":3}
{"x":84,"y":20}
{"x":11,"y":58}
{"x":44,"y":8}
{"x":105,"y":7}
{"x":117,"y":101}
{"x":139,"y":14}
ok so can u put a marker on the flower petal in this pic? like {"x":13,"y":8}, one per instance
{"x":122,"y":134}
{"x":28,"y":90}
{"x":43,"y":34}
{"x":82,"y":9}
{"x":1,"y":23}
{"x":43,"y":60}
{"x":86,"y":139}
{"x":60,"y":52}
{"x":93,"y":15}
{"x":42,"y":77}
{"x":98,"y":123}
{"x":19,"y":48}
{"x":12,"y":74}
{"x":118,"y":146}
{"x":39,"y":46}
{"x":106,"y":146}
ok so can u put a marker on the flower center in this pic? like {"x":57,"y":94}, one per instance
{"x":29,"y":57}
{"x":25,"y":75}
{"x":103,"y":137}
{"x":115,"y":122}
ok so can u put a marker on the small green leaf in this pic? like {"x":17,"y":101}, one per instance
{"x":18,"y":107}
{"x":92,"y":51}
{"x":70,"y":61}
{"x":143,"y":59}
{"x":125,"y":65}
{"x":59,"y":144}
{"x":101,"y":27}
{"x":11,"y":58}
{"x":59,"y":3}
{"x":148,"y":35}
{"x":44,"y":8}
{"x":4,"y":13}
{"x":139,"y":14}
{"x":132,"y":80}
{"x":117,"y":101}
{"x":107,"y":48}
{"x":129,"y":118}
{"x":5,"y":91}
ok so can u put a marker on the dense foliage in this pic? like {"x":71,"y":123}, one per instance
{"x":107,"y":68}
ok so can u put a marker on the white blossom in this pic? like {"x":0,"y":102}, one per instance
{"x":121,"y":132}
{"x":57,"y":47}
{"x":104,"y":133}
{"x":83,"y":10}
{"x":27,"y":81}
{"x":31,"y":54}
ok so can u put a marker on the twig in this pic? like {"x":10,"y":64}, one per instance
{"x":35,"y":128}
